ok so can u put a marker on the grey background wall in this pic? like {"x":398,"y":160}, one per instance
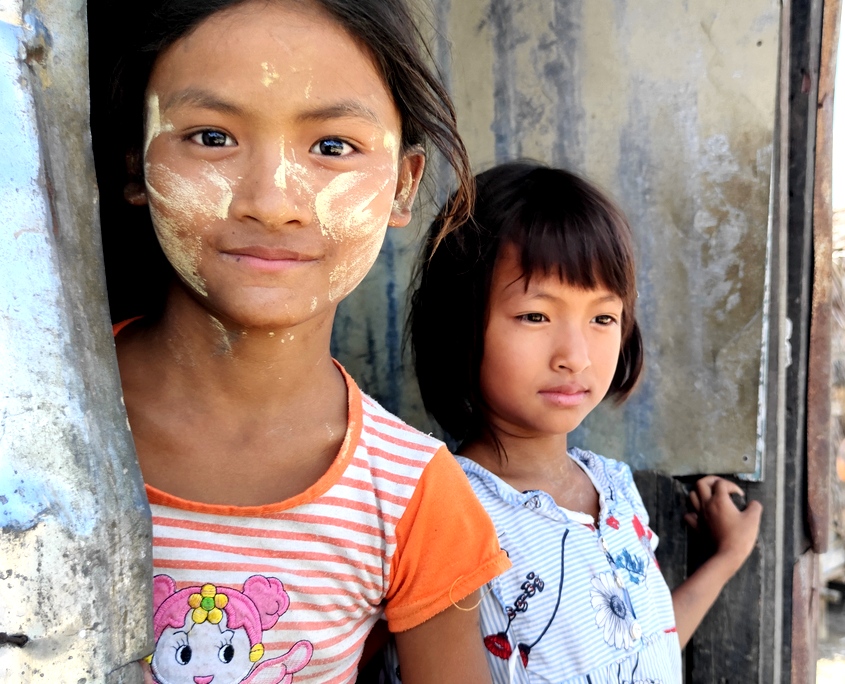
{"x":671,"y":108}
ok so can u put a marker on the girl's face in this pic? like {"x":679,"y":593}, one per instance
{"x":272,"y":162}
{"x":550,"y":351}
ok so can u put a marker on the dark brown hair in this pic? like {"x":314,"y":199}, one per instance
{"x":560,"y":224}
{"x":121,"y":67}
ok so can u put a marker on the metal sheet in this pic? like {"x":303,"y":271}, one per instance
{"x":671,"y":108}
{"x":74,"y":523}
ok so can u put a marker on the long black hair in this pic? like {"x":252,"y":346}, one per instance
{"x":122,"y":58}
{"x":560,"y":224}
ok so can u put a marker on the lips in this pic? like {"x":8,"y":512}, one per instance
{"x":268,"y":253}
{"x":566,"y":395}
{"x":267,"y":259}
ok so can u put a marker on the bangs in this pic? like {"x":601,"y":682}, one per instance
{"x":562,"y":226}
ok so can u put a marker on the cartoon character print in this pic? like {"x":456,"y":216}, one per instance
{"x":212,"y":635}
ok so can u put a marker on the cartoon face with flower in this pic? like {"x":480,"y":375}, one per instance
{"x":208,"y":634}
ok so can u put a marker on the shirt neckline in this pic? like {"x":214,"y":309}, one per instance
{"x":320,"y":487}
{"x":513,"y":496}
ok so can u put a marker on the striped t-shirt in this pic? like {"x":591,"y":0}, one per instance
{"x":287,"y":593}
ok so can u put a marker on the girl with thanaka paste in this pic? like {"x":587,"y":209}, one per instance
{"x":281,"y":139}
{"x":538,"y":291}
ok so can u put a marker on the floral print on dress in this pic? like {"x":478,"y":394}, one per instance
{"x":613,"y":616}
{"x":498,"y":644}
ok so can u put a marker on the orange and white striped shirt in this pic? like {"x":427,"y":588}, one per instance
{"x":288,"y":592}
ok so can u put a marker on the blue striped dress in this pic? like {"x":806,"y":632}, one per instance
{"x":584,"y":603}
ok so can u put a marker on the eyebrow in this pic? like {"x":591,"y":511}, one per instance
{"x":340,"y":110}
{"x":195,"y":97}
{"x":541,"y":294}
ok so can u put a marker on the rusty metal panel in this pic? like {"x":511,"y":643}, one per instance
{"x":74,"y":523}
{"x":805,"y":617}
{"x":819,"y":363}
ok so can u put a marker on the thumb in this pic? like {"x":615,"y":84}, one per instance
{"x":753,"y":512}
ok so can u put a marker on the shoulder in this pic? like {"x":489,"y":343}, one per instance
{"x":613,"y":477}
{"x":394,"y":434}
{"x":615,"y":472}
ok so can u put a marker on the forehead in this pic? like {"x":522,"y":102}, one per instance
{"x":277,"y":53}
{"x":509,"y":281}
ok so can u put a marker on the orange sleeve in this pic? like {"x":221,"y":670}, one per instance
{"x":446,"y":547}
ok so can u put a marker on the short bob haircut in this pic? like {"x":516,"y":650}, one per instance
{"x":121,"y":62}
{"x":560,"y":224}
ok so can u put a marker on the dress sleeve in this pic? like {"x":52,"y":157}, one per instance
{"x":446,"y":547}
{"x":625,"y":484}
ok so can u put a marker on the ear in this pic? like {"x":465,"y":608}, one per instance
{"x":411,"y":168}
{"x":134,"y":191}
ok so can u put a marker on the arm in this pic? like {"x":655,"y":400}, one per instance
{"x":447,"y":649}
{"x":148,"y":676}
{"x":734,"y":533}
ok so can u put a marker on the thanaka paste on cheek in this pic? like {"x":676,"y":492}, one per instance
{"x":345,"y":276}
{"x":339,"y":221}
{"x":177,"y":205}
{"x":361,"y":223}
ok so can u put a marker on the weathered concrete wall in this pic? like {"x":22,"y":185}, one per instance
{"x":74,"y":523}
{"x":671,"y":108}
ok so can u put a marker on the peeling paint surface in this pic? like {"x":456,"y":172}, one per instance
{"x":74,"y":522}
{"x":668,"y":106}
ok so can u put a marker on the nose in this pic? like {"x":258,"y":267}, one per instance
{"x":571,"y":350}
{"x":273,"y":190}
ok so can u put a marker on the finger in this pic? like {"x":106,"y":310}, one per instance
{"x":148,"y":676}
{"x":694,"y":500}
{"x":691,"y":519}
{"x":704,"y":486}
{"x":725,"y":487}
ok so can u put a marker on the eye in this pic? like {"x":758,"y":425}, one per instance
{"x":183,"y":654}
{"x":212,"y":138}
{"x":605,"y":319}
{"x":533,"y":317}
{"x":332,"y":147}
{"x":226,"y":653}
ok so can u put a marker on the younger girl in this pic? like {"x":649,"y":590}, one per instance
{"x":290,"y":511}
{"x":522,"y":323}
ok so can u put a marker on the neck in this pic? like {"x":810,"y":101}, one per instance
{"x":522,"y":459}
{"x":209,"y":356}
